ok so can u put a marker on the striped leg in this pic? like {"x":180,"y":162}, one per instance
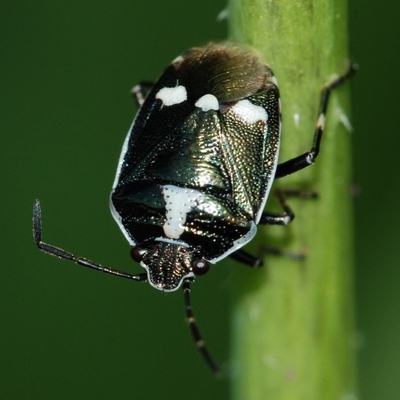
{"x":306,"y":159}
{"x":196,"y":332}
{"x":140,"y":92}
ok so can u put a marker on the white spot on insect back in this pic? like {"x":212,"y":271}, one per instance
{"x":179,"y":202}
{"x":249,"y":112}
{"x":207,"y":102}
{"x":172,"y":95}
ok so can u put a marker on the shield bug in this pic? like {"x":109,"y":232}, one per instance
{"x":197,"y":166}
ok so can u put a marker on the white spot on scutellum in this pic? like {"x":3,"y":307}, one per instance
{"x":207,"y":102}
{"x":172,"y":95}
{"x":179,"y":202}
{"x":249,"y":112}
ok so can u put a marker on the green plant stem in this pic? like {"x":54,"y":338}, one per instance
{"x":293,"y":321}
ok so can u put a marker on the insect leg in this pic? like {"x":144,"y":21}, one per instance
{"x":256,"y":262}
{"x":140,"y":92}
{"x":270,"y":218}
{"x":246,"y":258}
{"x":57,"y":252}
{"x":306,"y":159}
{"x":195,"y":330}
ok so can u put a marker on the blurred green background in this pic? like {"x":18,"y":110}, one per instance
{"x":67,"y":332}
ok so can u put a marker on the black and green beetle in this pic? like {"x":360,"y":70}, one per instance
{"x":197,"y":167}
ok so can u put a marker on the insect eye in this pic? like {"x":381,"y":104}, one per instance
{"x":137,"y":253}
{"x":200,"y":267}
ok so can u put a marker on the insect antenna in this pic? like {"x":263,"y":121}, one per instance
{"x":198,"y":338}
{"x":60,"y":253}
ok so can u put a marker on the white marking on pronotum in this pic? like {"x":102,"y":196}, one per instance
{"x":172,"y":95}
{"x":179,"y":202}
{"x":249,"y":112}
{"x":207,"y":102}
